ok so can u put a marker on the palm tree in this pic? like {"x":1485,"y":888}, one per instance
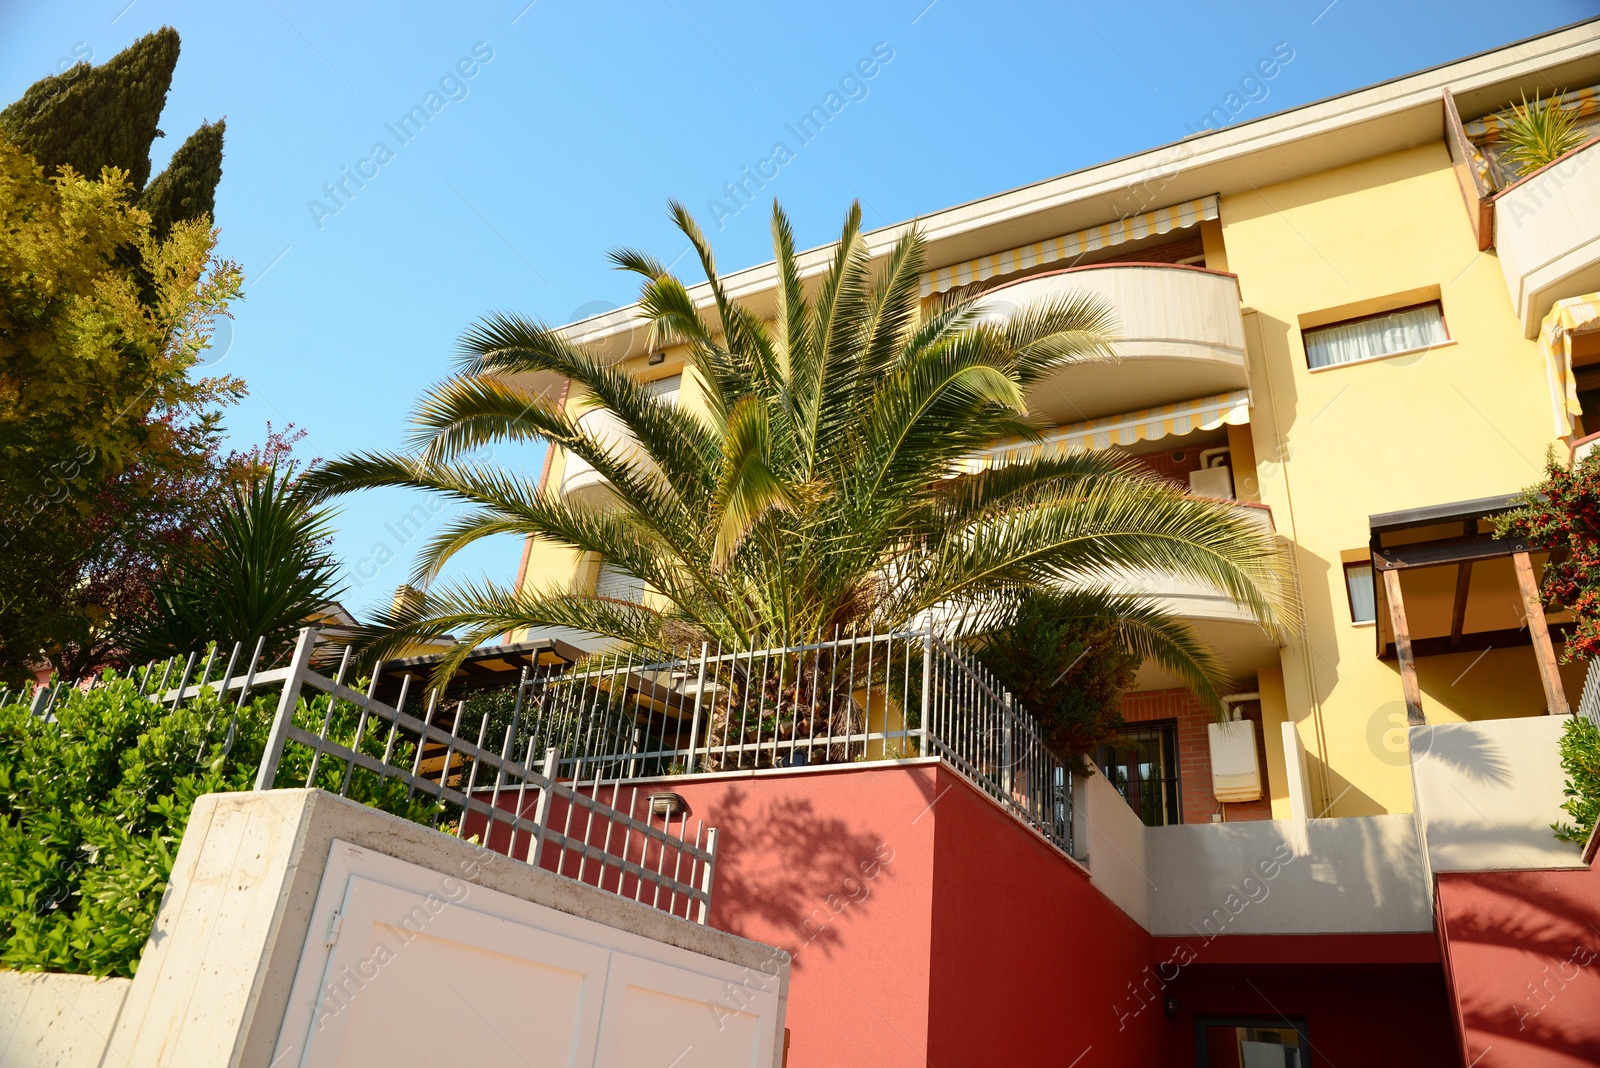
{"x":819,"y":489}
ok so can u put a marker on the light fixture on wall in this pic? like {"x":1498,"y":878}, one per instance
{"x":657,"y":357}
{"x":668,"y":804}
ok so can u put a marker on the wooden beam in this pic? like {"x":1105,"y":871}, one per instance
{"x":1458,"y":615}
{"x":1402,"y":647}
{"x":1473,"y":641}
{"x":1447,"y":551}
{"x":1554,"y":695}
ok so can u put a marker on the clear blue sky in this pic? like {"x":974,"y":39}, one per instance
{"x":570,"y":139}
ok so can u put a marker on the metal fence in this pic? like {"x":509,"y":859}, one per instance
{"x":539,"y":771}
{"x":855,"y":698}
{"x":1589,"y":703}
{"x":438,"y":767}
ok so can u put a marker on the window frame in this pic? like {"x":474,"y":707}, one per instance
{"x":1350,"y":602}
{"x":1202,"y":1056}
{"x":1436,"y":302}
{"x":1167,"y":727}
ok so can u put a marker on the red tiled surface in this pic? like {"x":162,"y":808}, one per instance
{"x":1194,"y":752}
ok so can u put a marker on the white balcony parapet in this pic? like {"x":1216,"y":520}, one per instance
{"x":1181,"y":335}
{"x":1190,"y":598}
{"x":1547,"y":234}
{"x":581,"y":484}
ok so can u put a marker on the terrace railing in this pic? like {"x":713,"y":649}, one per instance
{"x":548,"y":771}
{"x":855,"y":698}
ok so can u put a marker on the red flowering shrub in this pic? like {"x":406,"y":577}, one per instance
{"x":1562,"y":513}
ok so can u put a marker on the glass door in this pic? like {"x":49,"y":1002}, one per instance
{"x":1241,"y":1042}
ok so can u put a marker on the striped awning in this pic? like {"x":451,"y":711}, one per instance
{"x":1575,"y":315}
{"x":1151,"y":424}
{"x":1010,"y":261}
{"x":1581,"y":102}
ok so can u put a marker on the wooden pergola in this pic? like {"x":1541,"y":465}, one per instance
{"x":1454,"y":540}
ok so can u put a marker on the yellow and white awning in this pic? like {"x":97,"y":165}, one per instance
{"x":1131,"y":228}
{"x":1575,"y":315}
{"x":1151,"y":424}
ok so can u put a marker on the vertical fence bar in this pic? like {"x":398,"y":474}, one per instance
{"x":927,"y":692}
{"x":707,"y":875}
{"x":699,"y":702}
{"x":298,"y":666}
{"x":541,"y":812}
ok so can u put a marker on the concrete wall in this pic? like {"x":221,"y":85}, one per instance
{"x":62,"y":1021}
{"x":1486,"y":794}
{"x":1355,"y":875}
{"x":1113,"y":840}
{"x":250,"y":900}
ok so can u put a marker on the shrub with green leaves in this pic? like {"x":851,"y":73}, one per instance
{"x":1580,"y":759}
{"x":93,"y":806}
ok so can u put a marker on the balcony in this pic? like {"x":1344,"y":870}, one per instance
{"x":1181,"y":333}
{"x":1224,"y":625}
{"x":581,"y":485}
{"x":1547,"y":234}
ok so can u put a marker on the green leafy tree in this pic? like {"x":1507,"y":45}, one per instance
{"x":97,"y":403}
{"x":1562,"y":513}
{"x":1069,"y":665}
{"x":815,"y":490}
{"x":1580,"y":759}
{"x":258,"y":568}
{"x":88,"y":117}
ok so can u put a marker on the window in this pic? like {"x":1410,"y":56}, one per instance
{"x":666,"y":388}
{"x":1374,"y":336}
{"x":618,"y":585}
{"x":1363,"y":597}
{"x":1249,"y":1042}
{"x":1142,"y":763}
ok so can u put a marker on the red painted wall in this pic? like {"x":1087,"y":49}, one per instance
{"x":1522,"y":952}
{"x":1028,"y":957}
{"x":835,"y":867}
{"x":925,"y":925}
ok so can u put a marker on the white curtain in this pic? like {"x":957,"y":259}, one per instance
{"x":1381,"y":335}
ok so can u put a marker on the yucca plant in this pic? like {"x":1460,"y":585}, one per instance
{"x":1539,"y":133}
{"x":258,"y":569}
{"x":815,"y":489}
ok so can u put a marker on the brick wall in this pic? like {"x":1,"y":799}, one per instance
{"x":1194,"y":751}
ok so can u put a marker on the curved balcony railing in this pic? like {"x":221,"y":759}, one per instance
{"x":1180,"y":329}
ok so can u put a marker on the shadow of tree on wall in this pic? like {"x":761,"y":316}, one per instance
{"x":790,"y":877}
{"x":1548,"y":943}
{"x":1467,"y":751}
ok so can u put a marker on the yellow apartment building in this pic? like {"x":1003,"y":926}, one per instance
{"x":1355,"y":321}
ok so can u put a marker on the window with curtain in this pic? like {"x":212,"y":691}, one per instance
{"x":1363,"y":598}
{"x":618,"y":585}
{"x":1373,"y":336}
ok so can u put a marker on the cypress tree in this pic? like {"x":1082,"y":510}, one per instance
{"x":187,"y":188}
{"x":93,"y":117}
